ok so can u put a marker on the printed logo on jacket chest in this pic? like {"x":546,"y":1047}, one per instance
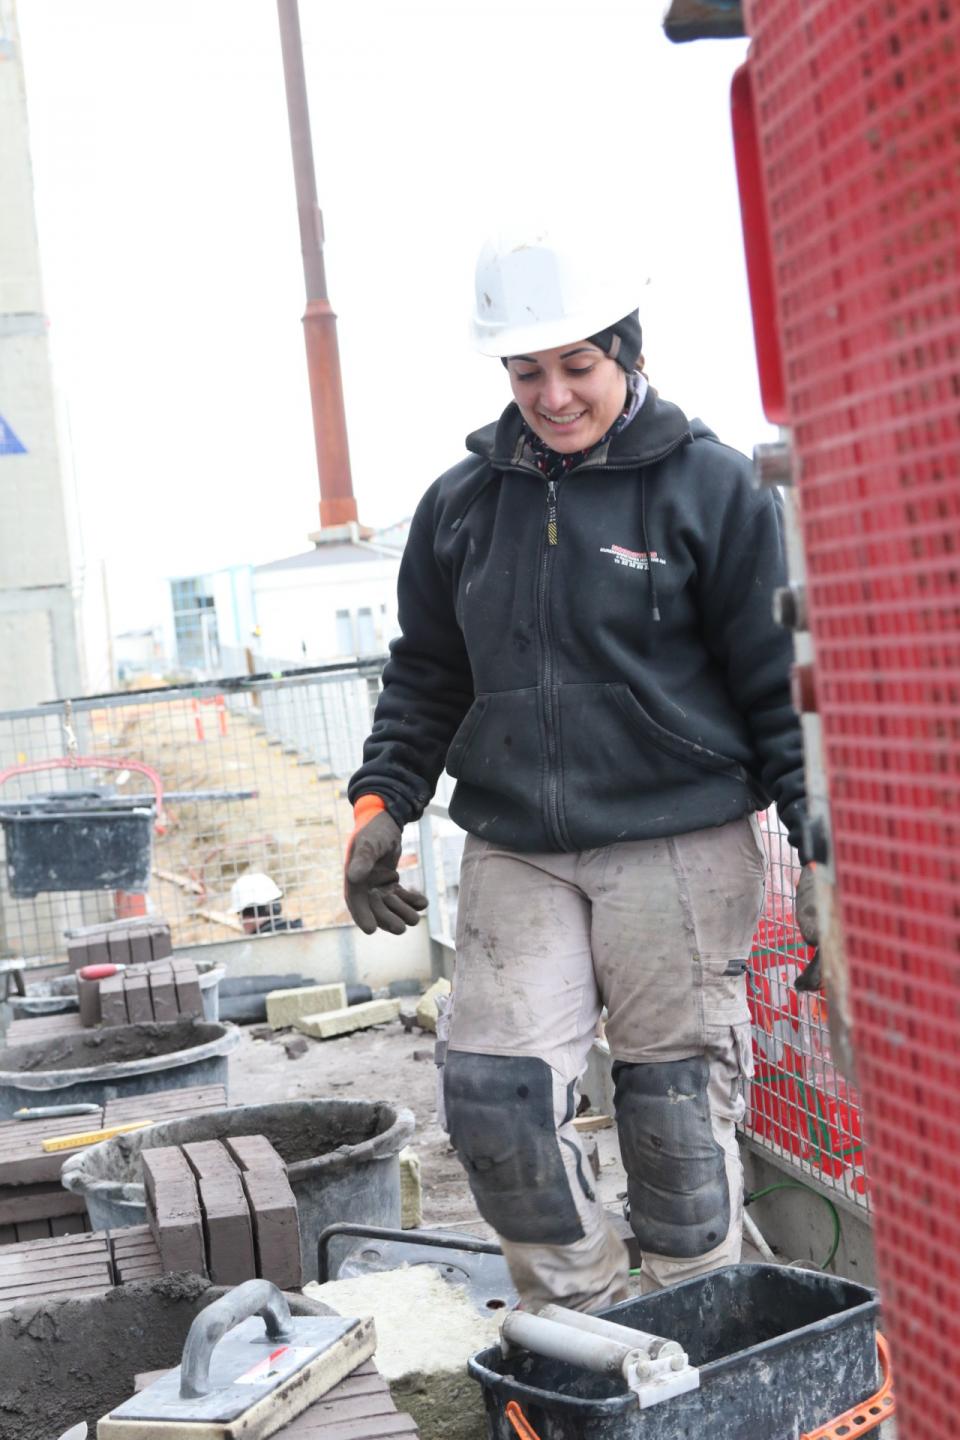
{"x":632,"y":559}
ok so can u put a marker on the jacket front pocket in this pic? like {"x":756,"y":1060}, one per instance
{"x":670,"y":743}
{"x":496,"y":758}
{"x":623,"y":776}
{"x":461,"y":740}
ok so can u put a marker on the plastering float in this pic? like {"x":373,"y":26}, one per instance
{"x":248,"y":1369}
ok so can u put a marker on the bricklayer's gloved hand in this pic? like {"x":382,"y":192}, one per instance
{"x":805,"y":914}
{"x":372,"y":889}
{"x":805,"y":906}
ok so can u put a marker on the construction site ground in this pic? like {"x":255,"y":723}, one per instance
{"x":385,"y":1063}
{"x":389,"y":1063}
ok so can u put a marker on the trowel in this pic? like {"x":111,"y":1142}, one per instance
{"x":248,"y":1369}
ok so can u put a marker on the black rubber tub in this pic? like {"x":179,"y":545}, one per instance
{"x":780,"y":1351}
{"x":116,"y":1062}
{"x":342,"y":1159}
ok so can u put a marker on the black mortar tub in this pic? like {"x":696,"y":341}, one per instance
{"x":65,"y":1361}
{"x":114,"y":1062}
{"x":342,"y":1159}
{"x":77,"y":840}
{"x":780,"y":1351}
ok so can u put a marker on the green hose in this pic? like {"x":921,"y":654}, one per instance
{"x":798,"y":1185}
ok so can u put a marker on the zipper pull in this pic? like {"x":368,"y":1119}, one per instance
{"x":552,"y":537}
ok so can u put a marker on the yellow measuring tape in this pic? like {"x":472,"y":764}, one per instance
{"x":90,"y":1137}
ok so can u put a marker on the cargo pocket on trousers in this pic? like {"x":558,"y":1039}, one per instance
{"x":723,"y":991}
{"x":729,"y":1050}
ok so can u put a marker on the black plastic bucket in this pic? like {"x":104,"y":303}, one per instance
{"x":780,"y":1351}
{"x":77,"y":840}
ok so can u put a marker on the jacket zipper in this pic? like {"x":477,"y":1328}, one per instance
{"x":550,"y":689}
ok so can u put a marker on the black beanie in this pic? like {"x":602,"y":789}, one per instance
{"x":623,"y":342}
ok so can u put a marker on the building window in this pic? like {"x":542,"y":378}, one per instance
{"x":195,"y":625}
{"x":344,"y":633}
{"x":366,"y":635}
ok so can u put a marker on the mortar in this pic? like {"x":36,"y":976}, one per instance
{"x":65,"y":1361}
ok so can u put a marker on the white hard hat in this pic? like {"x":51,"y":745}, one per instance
{"x":536,"y":289}
{"x":253,"y":889}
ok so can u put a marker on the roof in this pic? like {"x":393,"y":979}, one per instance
{"x":325,"y":555}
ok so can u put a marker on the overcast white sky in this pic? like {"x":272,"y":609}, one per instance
{"x":171,"y":256}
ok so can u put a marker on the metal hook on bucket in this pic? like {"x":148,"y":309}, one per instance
{"x":69,"y":732}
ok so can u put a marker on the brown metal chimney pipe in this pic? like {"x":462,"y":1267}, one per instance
{"x":337,"y":503}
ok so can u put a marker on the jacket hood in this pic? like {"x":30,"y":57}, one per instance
{"x":658,"y":427}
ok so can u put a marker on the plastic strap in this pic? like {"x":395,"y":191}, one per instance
{"x":520,"y":1422}
{"x":866,"y":1416}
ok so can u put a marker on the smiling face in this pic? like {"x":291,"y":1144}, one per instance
{"x":569,"y":396}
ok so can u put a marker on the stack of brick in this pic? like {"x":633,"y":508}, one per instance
{"x":164,"y":990}
{"x":136,"y":1255}
{"x":41,"y":1029}
{"x":71,"y":1265}
{"x":119,"y":942}
{"x":225,"y":1210}
{"x":359,"y":1407}
{"x":165,"y":1105}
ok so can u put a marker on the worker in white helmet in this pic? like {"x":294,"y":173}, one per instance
{"x":258,"y":901}
{"x":588,"y":647}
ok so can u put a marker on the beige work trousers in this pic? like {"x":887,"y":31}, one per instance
{"x":658,"y":932}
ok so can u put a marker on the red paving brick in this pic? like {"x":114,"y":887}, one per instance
{"x":136,"y":989}
{"x":226,"y":1214}
{"x":273,"y":1209}
{"x":189,"y":999}
{"x":163,"y":991}
{"x":113,"y":1003}
{"x":88,"y":994}
{"x":173,"y":1209}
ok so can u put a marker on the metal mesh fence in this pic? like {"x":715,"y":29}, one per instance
{"x":802,"y":1109}
{"x":253,"y":774}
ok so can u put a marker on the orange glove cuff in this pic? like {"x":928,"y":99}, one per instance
{"x":364,"y":810}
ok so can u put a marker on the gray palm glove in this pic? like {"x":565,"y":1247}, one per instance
{"x":805,"y":914}
{"x":372,"y":889}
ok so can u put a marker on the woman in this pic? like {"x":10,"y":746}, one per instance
{"x":588,"y":647}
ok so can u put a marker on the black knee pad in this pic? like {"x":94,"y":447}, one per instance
{"x":677,"y":1178}
{"x":501,"y":1121}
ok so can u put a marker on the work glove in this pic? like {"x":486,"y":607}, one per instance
{"x":805,"y":914}
{"x":372,"y":889}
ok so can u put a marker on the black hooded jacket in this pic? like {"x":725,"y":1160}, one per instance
{"x":538,"y":672}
